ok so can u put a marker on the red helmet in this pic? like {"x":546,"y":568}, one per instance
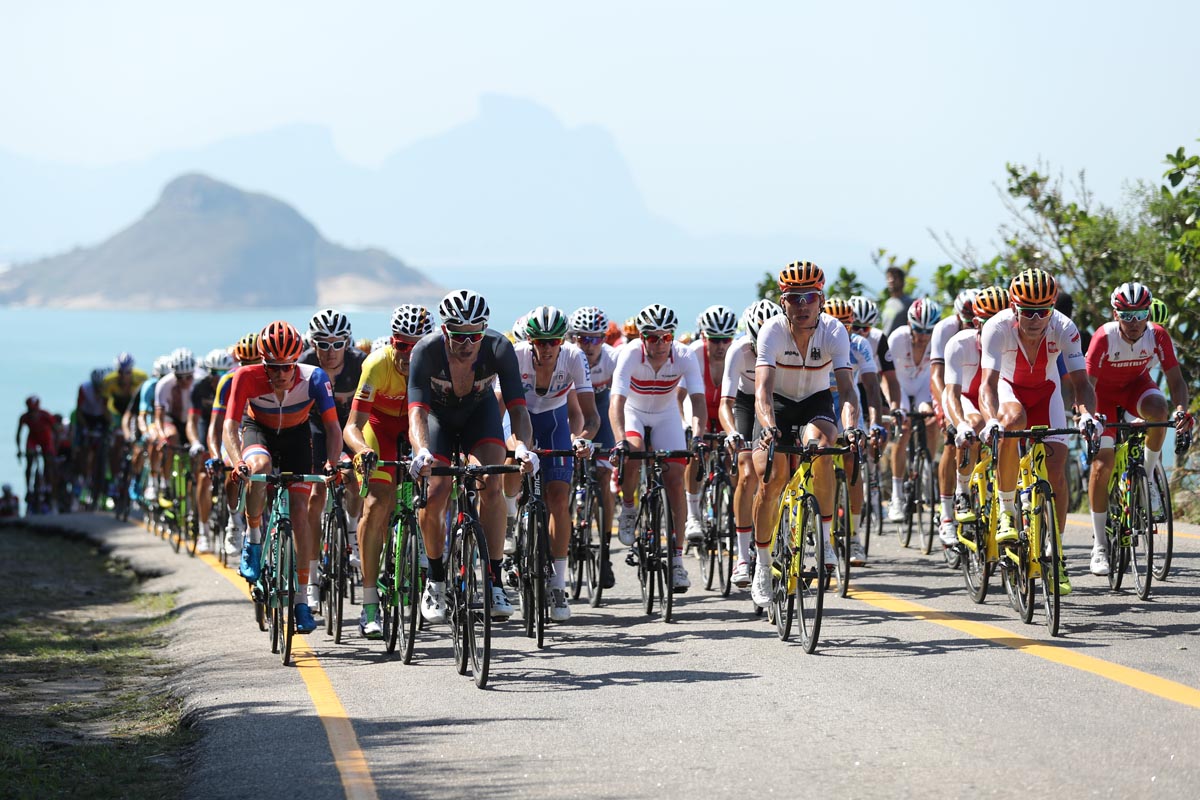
{"x":280,"y":343}
{"x":1131,"y":296}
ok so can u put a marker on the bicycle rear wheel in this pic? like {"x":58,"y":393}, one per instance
{"x":868,"y":518}
{"x":1117,"y":534}
{"x":540,"y":576}
{"x":783,"y":572}
{"x":928,"y":508}
{"x":285,"y":583}
{"x":341,"y":574}
{"x":910,"y":492}
{"x":1163,"y":528}
{"x":668,"y":540}
{"x":390,"y":577}
{"x":409,"y":591}
{"x":476,"y":588}
{"x":1141,"y":533}
{"x":1049,"y":557}
{"x":1024,"y":558}
{"x":647,"y":552}
{"x":809,"y":559}
{"x":726,"y":535}
{"x":839,"y":535}
{"x":527,"y":568}
{"x":706,"y":551}
{"x":974,"y":564}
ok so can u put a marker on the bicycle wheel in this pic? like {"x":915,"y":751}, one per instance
{"x":1049,"y":557}
{"x":909,"y":495}
{"x":341,"y":574}
{"x":476,"y":587}
{"x":594,"y":554}
{"x":1164,"y":527}
{"x":647,"y":551}
{"x":867,"y":518}
{"x":409,"y":589}
{"x":1116,"y":531}
{"x":666,"y":584}
{"x":267,"y":587}
{"x":1141,"y":533}
{"x":783,"y":570}
{"x":973,"y":561}
{"x":541,"y":575}
{"x":928,"y":508}
{"x":706,"y":552}
{"x":528,"y":568}
{"x":809,"y":568}
{"x":839,"y":535}
{"x":391,"y":567}
{"x":726,"y":535}
{"x":285,"y":583}
{"x":1022,"y":558}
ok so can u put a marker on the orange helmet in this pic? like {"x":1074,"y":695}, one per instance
{"x":1033,"y":287}
{"x":630,"y":329}
{"x":801,"y":276}
{"x":280,"y":343}
{"x":989,"y":302}
{"x":840,"y":309}
{"x":246,"y":349}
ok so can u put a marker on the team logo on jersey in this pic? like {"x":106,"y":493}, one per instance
{"x":815,"y":353}
{"x":790,"y":353}
{"x":329,"y":388}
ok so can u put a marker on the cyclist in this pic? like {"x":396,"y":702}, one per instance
{"x":266,"y":426}
{"x":796,"y":353}
{"x":716,"y":326}
{"x":147,"y":427}
{"x":378,"y":425}
{"x":648,"y":373}
{"x":962,"y":319}
{"x":40,"y":439}
{"x":865,"y":374}
{"x":120,"y":391}
{"x":451,"y":404}
{"x":1020,"y":388}
{"x":866,"y":314}
{"x":91,"y":424}
{"x":1119,"y":360}
{"x":909,"y":346}
{"x":204,"y":391}
{"x":331,"y":348}
{"x":173,"y":396}
{"x":737,"y":420}
{"x":589,"y":327}
{"x":550,"y":370}
{"x":244,"y":352}
{"x":962,"y":377}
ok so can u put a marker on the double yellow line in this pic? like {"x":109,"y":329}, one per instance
{"x":347,"y":754}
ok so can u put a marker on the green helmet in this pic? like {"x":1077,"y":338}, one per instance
{"x":546,"y":322}
{"x":1158,"y":311}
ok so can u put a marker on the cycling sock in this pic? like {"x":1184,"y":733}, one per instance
{"x":1008,"y":502}
{"x":627,"y":504}
{"x":437,"y":570}
{"x":1099,"y":521}
{"x":559,"y":579}
{"x":497,"y":567}
{"x":254,"y":535}
{"x":302,"y":575}
{"x":1152,"y":459}
{"x":370,"y":610}
{"x":370,"y":595}
{"x":763,"y":556}
{"x":825,"y":529}
{"x":314,"y":572}
{"x":947,"y":507}
{"x":693,"y":504}
{"x":744,"y":536}
{"x":204,"y":529}
{"x":352,"y":525}
{"x":897,"y":488}
{"x":510,"y":505}
{"x":962,"y":484}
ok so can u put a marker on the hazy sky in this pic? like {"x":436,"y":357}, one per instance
{"x":864,"y":120}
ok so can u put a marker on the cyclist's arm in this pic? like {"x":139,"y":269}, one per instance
{"x":937,"y":380}
{"x":870,"y":383}
{"x":616,"y":417}
{"x":418,"y":427}
{"x":764,"y":395}
{"x":574,"y":413}
{"x":215,"y":424}
{"x":591,"y":417}
{"x":522,"y":427}
{"x":233,"y":416}
{"x":699,"y":413}
{"x":989,"y":397}
{"x":954,"y":410}
{"x":1177,"y":386}
{"x":848,"y":393}
{"x":193,"y":431}
{"x":353,"y":435}
{"x":726,"y":415}
{"x":1085,"y":394}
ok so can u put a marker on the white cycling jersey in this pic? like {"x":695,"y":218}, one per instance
{"x":570,"y":372}
{"x":174,"y":400}
{"x":862,"y":360}
{"x":943,"y":332}
{"x":912,"y":369}
{"x":602,"y":370}
{"x":649,"y":390}
{"x":800,"y":375}
{"x":739,"y":367}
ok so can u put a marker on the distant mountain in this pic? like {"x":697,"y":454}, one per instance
{"x":211,"y":245}
{"x":511,"y":186}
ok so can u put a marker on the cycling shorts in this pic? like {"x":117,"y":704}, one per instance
{"x":604,"y":437}
{"x":743,"y":415}
{"x":1043,"y":405}
{"x":480,"y":425}
{"x":388,"y":437}
{"x":666,"y":429}
{"x":1128,"y":397}
{"x":290,"y":449}
{"x":552,"y":431}
{"x":791,"y":416}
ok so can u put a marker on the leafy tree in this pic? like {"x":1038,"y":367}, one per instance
{"x":768,"y":287}
{"x":846,"y":285}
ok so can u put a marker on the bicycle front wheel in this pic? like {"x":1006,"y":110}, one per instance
{"x":408,"y":590}
{"x":726,"y":535}
{"x":527,"y":560}
{"x":973,"y":560}
{"x":839,"y":534}
{"x":285,"y":587}
{"x":928,"y":500}
{"x":1164,"y":527}
{"x":390,"y":576}
{"x":1141,"y":533}
{"x":541,"y":575}
{"x":1117,"y":533}
{"x":341,"y":574}
{"x":475,"y":583}
{"x":911,"y":492}
{"x":668,"y":541}
{"x":784,"y":571}
{"x":809,"y":560}
{"x":1046,"y":529}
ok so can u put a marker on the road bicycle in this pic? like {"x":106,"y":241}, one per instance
{"x":177,"y":502}
{"x":402,"y":566}
{"x":976,"y":529}
{"x":920,"y":490}
{"x":717,"y":552}
{"x":589,"y":551}
{"x":870,"y":519}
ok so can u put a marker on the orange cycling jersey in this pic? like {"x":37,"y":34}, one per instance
{"x":382,"y":389}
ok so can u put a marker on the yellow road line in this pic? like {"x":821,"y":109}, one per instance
{"x":347,"y":754}
{"x":1136,"y":679}
{"x":1088,"y":525}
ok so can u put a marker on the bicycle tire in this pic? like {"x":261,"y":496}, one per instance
{"x":595,"y":550}
{"x":706,"y":551}
{"x":908,"y":493}
{"x":266,"y":577}
{"x":541,"y":575}
{"x":477,"y":597}
{"x":973,"y":562}
{"x":1115,"y":532}
{"x":1049,"y":556}
{"x":671,"y":537}
{"x":839,"y":534}
{"x":726,"y":535}
{"x":867,"y":517}
{"x":1141,"y":533}
{"x":389,"y":598}
{"x":342,"y":574}
{"x":1164,"y":526}
{"x":783,"y":599}
{"x":525,"y":556}
{"x":410,"y":589}
{"x":455,"y":608}
{"x":191,"y":516}
{"x":646,"y":532}
{"x":285,"y":581}
{"x":928,"y":510}
{"x":328,"y":569}
{"x":810,"y":580}
{"x":1024,"y":558}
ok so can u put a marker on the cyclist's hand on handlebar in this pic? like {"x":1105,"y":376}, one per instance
{"x":1087,"y":425}
{"x":364,"y":462}
{"x":898,"y":416}
{"x":768,"y":435}
{"x":991,"y":427}
{"x":964,"y":436}
{"x":422,"y":463}
{"x":734,"y":441}
{"x":530,"y":463}
{"x":195,"y":449}
{"x":619,"y":451}
{"x":880,"y":434}
{"x":583,"y":448}
{"x":242,"y":468}
{"x":1183,"y":422}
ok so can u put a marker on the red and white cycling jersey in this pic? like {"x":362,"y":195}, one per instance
{"x":739,"y":367}
{"x":963,"y":355}
{"x":800,"y":375}
{"x":1002,"y":350}
{"x":570,"y":372}
{"x":310,"y":385}
{"x":1114,"y":362}
{"x":650,"y":390}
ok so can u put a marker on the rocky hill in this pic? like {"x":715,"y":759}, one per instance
{"x":206,"y":244}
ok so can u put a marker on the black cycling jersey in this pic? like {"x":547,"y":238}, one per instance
{"x":204,"y":392}
{"x":429,"y":383}
{"x":345,"y":384}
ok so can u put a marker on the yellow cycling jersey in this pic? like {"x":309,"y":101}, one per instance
{"x":117,"y":398}
{"x":381,"y":386}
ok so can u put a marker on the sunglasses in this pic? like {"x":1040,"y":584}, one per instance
{"x":278,"y":367}
{"x":1034,"y":313}
{"x":589,"y":339}
{"x":1133,"y":316}
{"x":546,"y":342}
{"x":719,"y":339}
{"x":922,"y":331}
{"x":184,"y":376}
{"x":465,"y":336}
{"x":860,"y":329}
{"x":655,"y":338}
{"x":803,"y":298}
{"x":402,"y":345}
{"x":324,"y":345}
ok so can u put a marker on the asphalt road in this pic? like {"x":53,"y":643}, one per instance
{"x":898,"y":701}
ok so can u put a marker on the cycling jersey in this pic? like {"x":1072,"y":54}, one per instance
{"x":382,"y":389}
{"x":653,"y":391}
{"x":173,"y":399}
{"x":251,"y":393}
{"x":118,"y":398}
{"x":430,"y":385}
{"x":222,"y":394}
{"x":883,"y":355}
{"x":862,"y":361}
{"x":1002,"y":350}
{"x":1114,"y":362}
{"x":712,"y":389}
{"x":203,"y":397}
{"x":739,"y":367}
{"x":912,"y":369}
{"x":345,"y":383}
{"x":800,"y":375}
{"x":570,"y":372}
{"x":41,"y":431}
{"x":962,"y":364}
{"x":602,"y":371}
{"x":91,"y":403}
{"x":149,"y":389}
{"x":943,"y":332}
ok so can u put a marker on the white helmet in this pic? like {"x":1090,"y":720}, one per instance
{"x":411,"y":319}
{"x":758,"y":313}
{"x":328,"y":323}
{"x":717,"y":321}
{"x":589,"y":319}
{"x":162,"y":365}
{"x":464,"y":307}
{"x":656,"y":317}
{"x":182,"y":361}
{"x":218,"y":360}
{"x":519,"y":332}
{"x":380,"y":343}
{"x":924,"y":313}
{"x":963,"y":299}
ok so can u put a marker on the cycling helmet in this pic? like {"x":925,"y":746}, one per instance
{"x":866,"y":312}
{"x":183,"y":362}
{"x":1033,"y":287}
{"x":840,"y":310}
{"x":162,"y":365}
{"x":989,"y":302}
{"x":963,"y":302}
{"x":589,"y":319}
{"x":924,"y":313}
{"x":329,"y":323}
{"x":630,"y":328}
{"x":717,"y":321}
{"x":656,"y":317}
{"x":411,"y":319}
{"x":32,"y":401}
{"x":98,"y":375}
{"x":1131,"y":296}
{"x":801,"y":276}
{"x":519,"y":334}
{"x":280,"y":343}
{"x":218,"y":361}
{"x":757,"y":313}
{"x":1158,"y":311}
{"x":123,"y":362}
{"x":464,"y":307}
{"x":246,"y":348}
{"x":546,"y":322}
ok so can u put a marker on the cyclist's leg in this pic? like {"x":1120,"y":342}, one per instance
{"x":551,"y":431}
{"x":895,"y":509}
{"x":1012,"y":417}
